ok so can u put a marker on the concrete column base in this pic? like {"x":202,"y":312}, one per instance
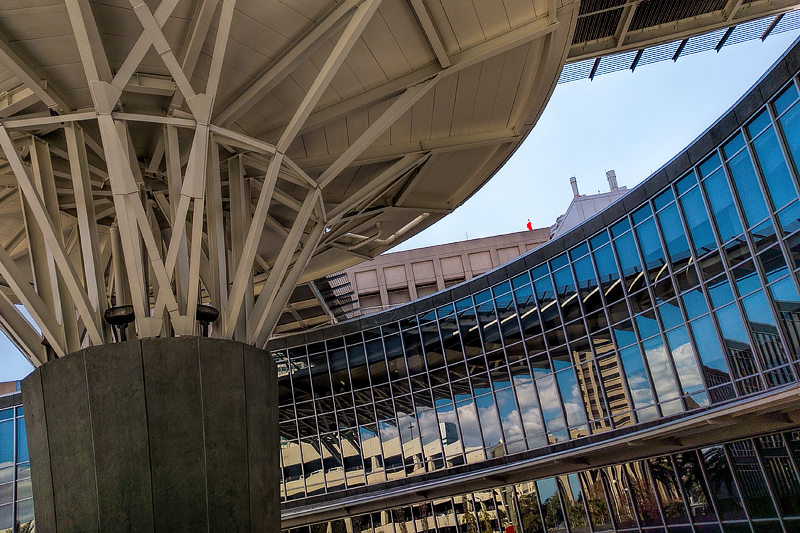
{"x":174,"y":434}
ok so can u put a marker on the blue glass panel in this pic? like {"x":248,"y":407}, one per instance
{"x":539,"y":272}
{"x":737,"y":344}
{"x":694,"y":303}
{"x":551,"y":403}
{"x":529,"y":409}
{"x":721,"y":201}
{"x":674,"y":237}
{"x":571,"y":396}
{"x":786,"y":98}
{"x":663,"y":199}
{"x":789,"y":218}
{"x":624,"y":334}
{"x":685,"y":360}
{"x":710,"y":165}
{"x":780,"y":184}
{"x":686,"y":183}
{"x":6,"y":450}
{"x":751,"y":480}
{"x":764,"y":330}
{"x":606,"y":266}
{"x":519,"y":281}
{"x":641,"y":214}
{"x":733,"y":146}
{"x":628,"y":258}
{"x":559,"y":261}
{"x":705,"y":337}
{"x":787,"y":302}
{"x":509,"y":416}
{"x":579,"y":251}
{"x":5,"y":414}
{"x":551,"y":506}
{"x":746,"y":278}
{"x":647,"y":324}
{"x":638,"y":383}
{"x":660,"y":369}
{"x":6,"y":517}
{"x":670,"y":314}
{"x":746,"y":183}
{"x":483,"y":296}
{"x":599,"y":240}
{"x":758,"y":124}
{"x":720,"y":292}
{"x":620,"y":227}
{"x":490,"y":423}
{"x":502,"y":288}
{"x":22,"y":442}
{"x":651,"y":248}
{"x":694,"y":210}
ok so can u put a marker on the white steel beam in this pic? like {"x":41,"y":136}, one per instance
{"x":377,"y":183}
{"x":350,"y":35}
{"x":430,"y":31}
{"x":153,"y":30}
{"x":139,"y":50}
{"x":44,"y":180}
{"x":20,"y":332}
{"x":174,"y":184}
{"x":223,"y":30}
{"x":87,"y":223}
{"x":240,"y":216}
{"x":269,"y":292}
{"x":279,"y":301}
{"x":16,"y":100}
{"x":434,"y":146}
{"x":87,"y":37}
{"x":23,"y":70}
{"x":276,"y":73}
{"x":244,"y":271}
{"x":26,"y":294}
{"x":215,"y":227}
{"x":466,"y":58}
{"x":398,"y":108}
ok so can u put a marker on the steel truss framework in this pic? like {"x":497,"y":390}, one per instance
{"x":189,"y":241}
{"x":164,"y":207}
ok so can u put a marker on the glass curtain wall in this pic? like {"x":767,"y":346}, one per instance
{"x":688,"y":301}
{"x":751,"y":485}
{"x":16,"y":495}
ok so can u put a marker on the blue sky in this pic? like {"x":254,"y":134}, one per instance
{"x":630,"y":122}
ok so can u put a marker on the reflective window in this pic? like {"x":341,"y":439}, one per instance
{"x":694,"y":210}
{"x":783,"y":478}
{"x":674,"y":237}
{"x":719,"y":198}
{"x":550,"y":500}
{"x":746,"y":185}
{"x":780,"y":184}
{"x":751,"y":479}
{"x":638,"y":383}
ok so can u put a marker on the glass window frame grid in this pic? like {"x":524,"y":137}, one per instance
{"x":648,"y":286}
{"x":496,"y":502}
{"x":749,"y":241}
{"x":651,"y":292}
{"x":17,"y":415}
{"x":772,"y":218}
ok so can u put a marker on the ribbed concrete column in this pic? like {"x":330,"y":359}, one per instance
{"x":174,"y":434}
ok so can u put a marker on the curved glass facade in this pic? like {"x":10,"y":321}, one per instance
{"x":639,"y":373}
{"x":16,"y":496}
{"x":680,"y":298}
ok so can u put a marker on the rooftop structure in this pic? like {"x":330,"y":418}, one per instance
{"x":223,"y":153}
{"x":175,"y":171}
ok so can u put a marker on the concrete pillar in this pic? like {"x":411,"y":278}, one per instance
{"x":173,"y":434}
